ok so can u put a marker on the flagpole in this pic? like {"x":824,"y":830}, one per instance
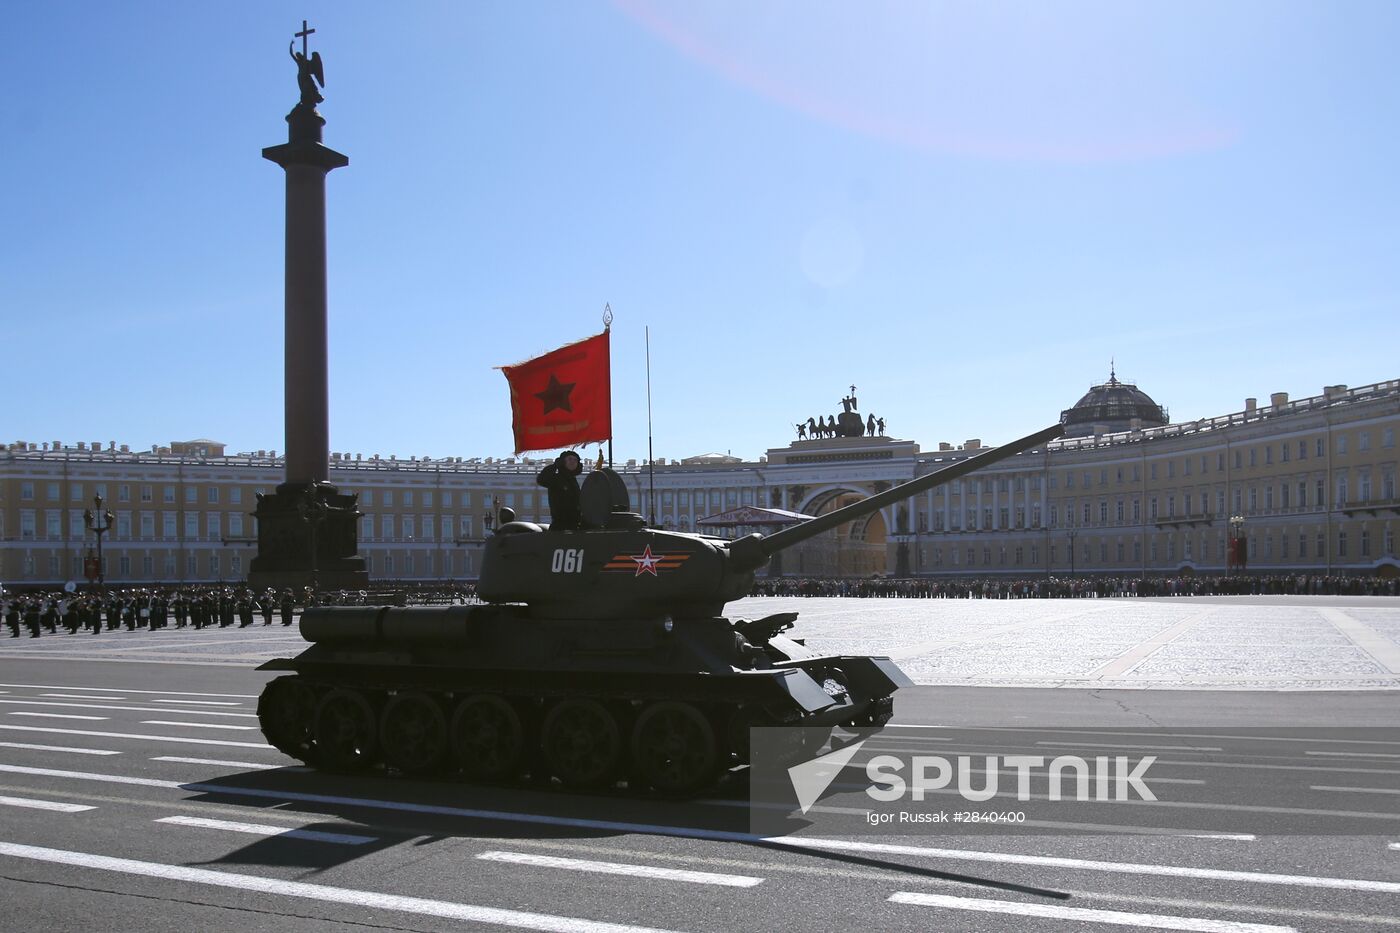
{"x":651,"y":460}
{"x":607,"y":329}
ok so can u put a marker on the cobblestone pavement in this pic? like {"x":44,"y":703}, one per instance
{"x":1243,"y":642}
{"x":1266,"y":643}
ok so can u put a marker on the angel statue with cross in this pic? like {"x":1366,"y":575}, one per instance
{"x":309,"y":70}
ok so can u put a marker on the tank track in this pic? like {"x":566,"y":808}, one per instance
{"x":674,"y":743}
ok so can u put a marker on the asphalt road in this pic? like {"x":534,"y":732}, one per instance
{"x":141,"y":796}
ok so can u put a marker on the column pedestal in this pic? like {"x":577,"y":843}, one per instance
{"x":307,"y":536}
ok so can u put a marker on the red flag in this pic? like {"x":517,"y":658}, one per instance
{"x":562,"y":398}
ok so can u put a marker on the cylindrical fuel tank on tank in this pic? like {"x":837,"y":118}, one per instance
{"x":390,"y":624}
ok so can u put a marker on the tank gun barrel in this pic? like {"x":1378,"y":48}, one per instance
{"x":753,"y":551}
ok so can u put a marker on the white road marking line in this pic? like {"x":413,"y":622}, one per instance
{"x":62,"y":716}
{"x":1055,"y":912}
{"x":1331,"y":769}
{"x":1353,"y":754}
{"x":198,"y":702}
{"x":1224,"y":837}
{"x":841,"y":785}
{"x":74,"y":696}
{"x":58,"y":748}
{"x":1127,"y":868}
{"x":138,"y":735}
{"x":1199,"y":805}
{"x":1395,"y":846}
{"x":1355,"y":790}
{"x":260,"y":766}
{"x":194,"y":725}
{"x":1166,"y":733}
{"x":718,"y":835}
{"x":619,"y":868}
{"x":181,"y":693}
{"x":1165,"y":748}
{"x":43,"y":805}
{"x":262,"y":829}
{"x":134,"y":709}
{"x":413,"y":905}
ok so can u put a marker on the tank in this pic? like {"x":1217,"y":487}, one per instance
{"x":598,"y":656}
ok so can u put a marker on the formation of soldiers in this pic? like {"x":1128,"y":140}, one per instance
{"x":150,"y":609}
{"x":196,"y":607}
{"x":1081,"y":587}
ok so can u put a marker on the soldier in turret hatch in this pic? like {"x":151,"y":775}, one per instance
{"x":561,"y":479}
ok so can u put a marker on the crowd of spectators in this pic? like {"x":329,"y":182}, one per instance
{"x":1081,"y":587}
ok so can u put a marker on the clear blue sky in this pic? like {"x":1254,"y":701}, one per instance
{"x":965,"y":209}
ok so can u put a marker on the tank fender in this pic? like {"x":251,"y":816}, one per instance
{"x":805,"y":692}
{"x":790,"y":649}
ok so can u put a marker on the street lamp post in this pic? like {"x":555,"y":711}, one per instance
{"x":99,"y":522}
{"x":1237,"y":555}
{"x":313,"y":511}
{"x":1071,"y":535}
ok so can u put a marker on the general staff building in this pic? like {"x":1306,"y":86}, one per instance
{"x":1125,"y":492}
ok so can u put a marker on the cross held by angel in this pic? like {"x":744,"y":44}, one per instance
{"x":310,"y":70}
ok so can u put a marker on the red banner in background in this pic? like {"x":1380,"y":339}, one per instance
{"x":563,"y":398}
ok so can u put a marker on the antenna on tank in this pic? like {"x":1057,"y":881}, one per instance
{"x":607,"y":328}
{"x":651,"y":459}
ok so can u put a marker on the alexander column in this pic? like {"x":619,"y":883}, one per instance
{"x":306,"y":528}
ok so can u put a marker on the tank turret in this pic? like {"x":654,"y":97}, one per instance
{"x":600,"y":654}
{"x":617,"y":567}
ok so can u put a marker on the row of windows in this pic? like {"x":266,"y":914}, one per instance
{"x":214,"y":566}
{"x":1282,"y":496}
{"x":122,"y":568}
{"x":77,"y":492}
{"x":1284,"y":546}
{"x":1250,"y":457}
{"x":145,"y":524}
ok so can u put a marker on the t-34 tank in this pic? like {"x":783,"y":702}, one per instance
{"x":600,"y":654}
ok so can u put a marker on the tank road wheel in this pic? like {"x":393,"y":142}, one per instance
{"x":673,"y":748}
{"x":346,"y":731}
{"x":287,"y":714}
{"x":488,"y":738}
{"x":582,"y":743}
{"x":413,"y":733}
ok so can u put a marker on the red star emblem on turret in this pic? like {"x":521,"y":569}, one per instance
{"x":646,"y":563}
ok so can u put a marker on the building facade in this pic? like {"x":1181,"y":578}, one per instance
{"x":1314,"y":481}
